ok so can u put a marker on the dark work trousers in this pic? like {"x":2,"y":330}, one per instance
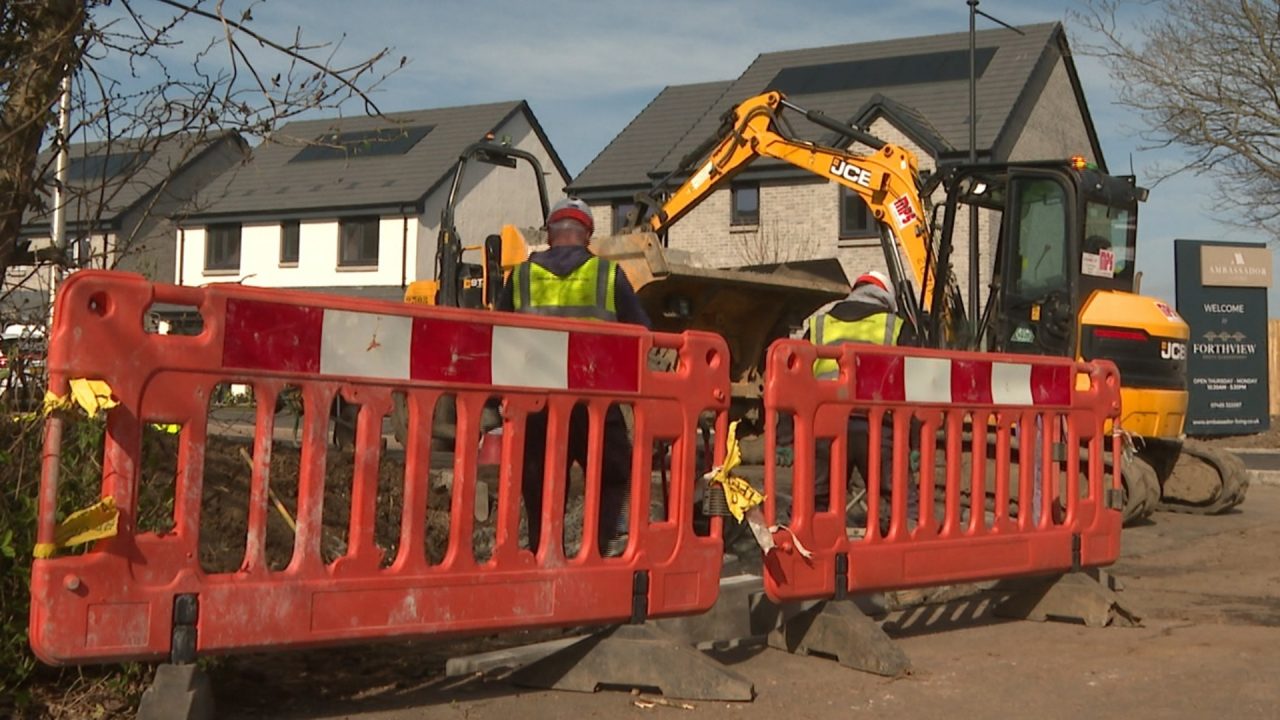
{"x":859,"y":456}
{"x":615,"y":481}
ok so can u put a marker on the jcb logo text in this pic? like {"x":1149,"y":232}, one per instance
{"x":1173,"y":350}
{"x":852,"y":173}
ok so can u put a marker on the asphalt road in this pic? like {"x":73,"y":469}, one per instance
{"x":1266,"y":460}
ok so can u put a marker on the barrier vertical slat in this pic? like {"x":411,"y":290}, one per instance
{"x":461,"y":553}
{"x":255,"y":549}
{"x":362,"y":554}
{"x":594,"y":481}
{"x":307,"y":557}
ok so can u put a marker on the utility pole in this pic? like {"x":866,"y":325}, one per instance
{"x":973,"y":159}
{"x":974,"y":265}
{"x":59,"y":223}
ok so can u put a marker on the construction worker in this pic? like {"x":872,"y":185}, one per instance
{"x":567,"y":280}
{"x":868,"y":315}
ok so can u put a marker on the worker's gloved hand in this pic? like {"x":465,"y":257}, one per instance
{"x":784,"y":457}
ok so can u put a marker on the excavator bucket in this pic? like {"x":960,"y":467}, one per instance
{"x":749,"y":307}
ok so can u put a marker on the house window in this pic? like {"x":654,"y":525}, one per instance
{"x":289,"y":232}
{"x":222,"y":247}
{"x":358,"y":242}
{"x":82,"y":252}
{"x":620,"y":212}
{"x":745,"y":205}
{"x":856,"y":221}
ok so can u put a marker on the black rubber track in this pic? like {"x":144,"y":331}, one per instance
{"x":1232,"y":472}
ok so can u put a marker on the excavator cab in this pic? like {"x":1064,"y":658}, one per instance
{"x":1064,"y":284}
{"x":1067,"y":231}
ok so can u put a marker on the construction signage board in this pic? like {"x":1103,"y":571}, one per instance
{"x":1222,"y":294}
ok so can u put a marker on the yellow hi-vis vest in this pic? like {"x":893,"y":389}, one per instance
{"x":877,"y":329}
{"x":587,"y":292}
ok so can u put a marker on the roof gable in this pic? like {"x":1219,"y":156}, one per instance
{"x":107,"y":179}
{"x":333,"y":164}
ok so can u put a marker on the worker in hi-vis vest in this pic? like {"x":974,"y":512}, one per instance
{"x":568,"y":281}
{"x":867,"y":315}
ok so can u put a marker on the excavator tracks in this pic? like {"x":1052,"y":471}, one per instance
{"x":1141,"y":489}
{"x":1205,"y":481}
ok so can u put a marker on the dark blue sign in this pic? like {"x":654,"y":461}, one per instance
{"x":1222,"y":294}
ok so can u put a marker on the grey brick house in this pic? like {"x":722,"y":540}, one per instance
{"x":352,"y":205}
{"x":121,"y":199}
{"x":909,"y":91}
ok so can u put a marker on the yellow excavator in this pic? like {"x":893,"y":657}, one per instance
{"x":1063,"y":280}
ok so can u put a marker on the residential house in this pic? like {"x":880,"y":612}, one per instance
{"x":910,"y":91}
{"x":352,"y":205}
{"x":121,"y":196}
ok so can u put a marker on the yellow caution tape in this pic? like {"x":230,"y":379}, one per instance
{"x":92,"y":395}
{"x":54,"y":402}
{"x":95,"y":522}
{"x":738,"y":493}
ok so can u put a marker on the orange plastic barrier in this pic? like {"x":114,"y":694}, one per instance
{"x":144,"y":595}
{"x":978,"y":434}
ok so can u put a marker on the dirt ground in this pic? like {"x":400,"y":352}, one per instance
{"x":1209,"y":646}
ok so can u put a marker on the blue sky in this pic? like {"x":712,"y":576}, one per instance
{"x":588,"y":67}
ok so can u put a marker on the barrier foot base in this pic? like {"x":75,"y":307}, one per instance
{"x":736,"y":618}
{"x":842,"y":631}
{"x":636,"y":656}
{"x":178,"y":692}
{"x":1088,"y":597}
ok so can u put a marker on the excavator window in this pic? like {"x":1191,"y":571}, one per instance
{"x":1036,"y":308}
{"x":1042,"y":238}
{"x":1109,"y":230}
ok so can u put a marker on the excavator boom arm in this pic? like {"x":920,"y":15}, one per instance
{"x":887,"y":180}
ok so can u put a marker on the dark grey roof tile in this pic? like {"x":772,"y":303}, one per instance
{"x":365,"y":176}
{"x":629,"y":158}
{"x":922,"y":77}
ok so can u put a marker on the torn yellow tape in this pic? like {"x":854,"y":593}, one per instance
{"x":54,"y":402}
{"x":95,"y":522}
{"x":738,"y":493}
{"x":92,"y":395}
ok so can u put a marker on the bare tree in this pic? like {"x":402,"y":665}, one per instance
{"x":774,"y":242}
{"x":1205,"y":74}
{"x":149,"y":72}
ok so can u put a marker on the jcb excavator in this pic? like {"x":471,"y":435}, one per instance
{"x":1042,"y":301}
{"x":1064,"y":283}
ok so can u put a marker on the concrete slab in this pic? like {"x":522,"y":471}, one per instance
{"x":506,"y":658}
{"x":636,"y":656}
{"x":178,"y":692}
